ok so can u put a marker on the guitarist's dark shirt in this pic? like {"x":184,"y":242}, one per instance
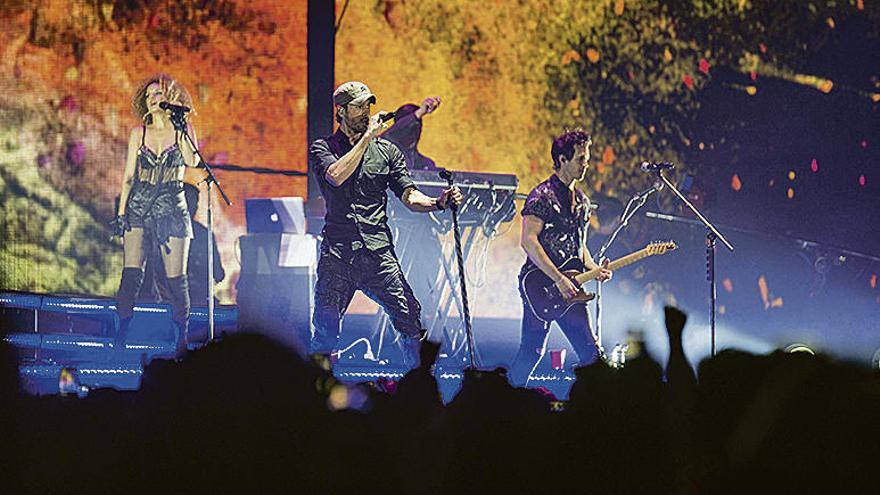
{"x":565,"y":225}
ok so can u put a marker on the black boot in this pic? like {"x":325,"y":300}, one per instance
{"x":121,"y":333}
{"x":129,"y":285}
{"x":179,"y":288}
{"x":180,"y":328}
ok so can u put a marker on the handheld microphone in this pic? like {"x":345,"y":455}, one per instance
{"x":174,"y":108}
{"x":655,"y":166}
{"x":384,"y":116}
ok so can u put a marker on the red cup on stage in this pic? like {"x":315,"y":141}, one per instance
{"x":557,"y":358}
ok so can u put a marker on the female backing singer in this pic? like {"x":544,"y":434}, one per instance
{"x":152,"y":215}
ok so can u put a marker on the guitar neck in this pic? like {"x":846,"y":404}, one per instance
{"x":614,"y":265}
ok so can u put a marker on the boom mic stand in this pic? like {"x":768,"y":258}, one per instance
{"x":178,"y":119}
{"x":447,"y":175}
{"x":712,"y":235}
{"x":639,"y":201}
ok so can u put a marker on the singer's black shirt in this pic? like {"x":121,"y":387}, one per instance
{"x":356,"y":210}
{"x":565,"y":226}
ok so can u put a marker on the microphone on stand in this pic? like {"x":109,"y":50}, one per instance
{"x":174,"y":108}
{"x":656,"y":166}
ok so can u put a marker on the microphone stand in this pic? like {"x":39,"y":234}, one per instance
{"x":445,"y":174}
{"x":639,"y":201}
{"x":178,"y":119}
{"x":712,"y":235}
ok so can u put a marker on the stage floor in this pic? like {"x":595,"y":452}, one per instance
{"x":54,"y":333}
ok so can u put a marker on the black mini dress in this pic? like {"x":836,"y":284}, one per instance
{"x":157,"y":203}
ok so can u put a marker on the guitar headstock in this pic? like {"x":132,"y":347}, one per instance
{"x":661,"y":247}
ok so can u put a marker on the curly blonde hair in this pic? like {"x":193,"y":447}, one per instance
{"x":174,"y":91}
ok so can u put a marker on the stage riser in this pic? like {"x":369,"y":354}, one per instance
{"x":78,"y":333}
{"x":43,"y":379}
{"x":30,"y":313}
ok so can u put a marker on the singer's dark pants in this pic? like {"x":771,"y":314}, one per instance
{"x":343,"y":270}
{"x":575,"y":324}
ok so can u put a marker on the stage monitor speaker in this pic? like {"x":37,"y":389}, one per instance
{"x":276,"y":300}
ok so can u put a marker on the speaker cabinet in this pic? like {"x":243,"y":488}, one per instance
{"x":276,"y":300}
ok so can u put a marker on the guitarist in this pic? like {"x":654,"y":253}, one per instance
{"x":553,"y":231}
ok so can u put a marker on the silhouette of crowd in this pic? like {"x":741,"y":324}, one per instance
{"x":244,"y":415}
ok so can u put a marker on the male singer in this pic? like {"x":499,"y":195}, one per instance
{"x":354,"y":168}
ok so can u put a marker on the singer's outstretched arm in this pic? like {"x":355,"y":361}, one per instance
{"x":401,"y":184}
{"x":418,"y":201}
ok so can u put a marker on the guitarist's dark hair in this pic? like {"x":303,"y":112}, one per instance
{"x":563,"y":145}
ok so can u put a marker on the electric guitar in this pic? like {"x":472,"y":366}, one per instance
{"x":545,"y":300}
